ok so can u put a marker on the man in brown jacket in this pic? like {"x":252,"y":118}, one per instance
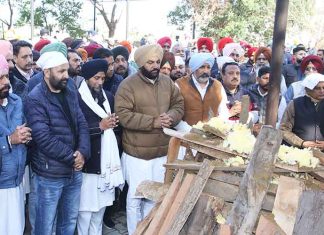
{"x":146,"y":102}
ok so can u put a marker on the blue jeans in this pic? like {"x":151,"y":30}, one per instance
{"x":59,"y":197}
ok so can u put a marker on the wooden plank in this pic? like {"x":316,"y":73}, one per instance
{"x":191,"y":197}
{"x":184,"y":189}
{"x":245,"y":108}
{"x":310,"y":214}
{"x":286,"y":202}
{"x":173,"y":151}
{"x":202,"y":219}
{"x":229,"y":193}
{"x":161,"y":213}
{"x":255,"y":182}
{"x":152,"y":190}
{"x":268,"y":226}
{"x":143,"y":225}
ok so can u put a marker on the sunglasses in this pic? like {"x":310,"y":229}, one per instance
{"x":310,"y":69}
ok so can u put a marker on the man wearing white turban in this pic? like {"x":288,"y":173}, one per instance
{"x":302,"y":124}
{"x":202,"y":93}
{"x":62,"y":146}
{"x":233,"y":50}
{"x":146,"y":102}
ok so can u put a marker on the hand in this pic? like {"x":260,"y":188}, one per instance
{"x":21,"y":135}
{"x":309,"y":144}
{"x":256,"y":129}
{"x":236,"y":108}
{"x":319,"y":144}
{"x":78,"y":161}
{"x":166,"y":120}
{"x":109,"y":122}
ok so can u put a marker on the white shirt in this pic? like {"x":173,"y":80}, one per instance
{"x":26,"y":75}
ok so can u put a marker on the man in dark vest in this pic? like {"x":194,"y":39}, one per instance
{"x":302,"y":124}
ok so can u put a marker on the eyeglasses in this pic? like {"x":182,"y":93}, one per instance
{"x":311,"y":69}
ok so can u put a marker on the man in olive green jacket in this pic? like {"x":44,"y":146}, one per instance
{"x":146,"y":102}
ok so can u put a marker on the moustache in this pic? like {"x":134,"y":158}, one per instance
{"x":120,"y":67}
{"x":234,"y":80}
{"x":204,"y":75}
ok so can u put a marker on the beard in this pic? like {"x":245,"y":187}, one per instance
{"x":176,"y":75}
{"x":152,"y":75}
{"x":203,"y":78}
{"x":58,"y":84}
{"x":4,"y":91}
{"x":74,"y":72}
{"x":97,"y":93}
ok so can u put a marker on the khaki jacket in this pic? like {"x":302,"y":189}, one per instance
{"x":138,"y":103}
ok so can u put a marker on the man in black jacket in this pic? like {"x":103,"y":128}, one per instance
{"x":61,"y":135}
{"x":102,"y":173}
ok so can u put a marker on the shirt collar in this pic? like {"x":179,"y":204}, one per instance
{"x":5,"y":102}
{"x":27,"y":75}
{"x":260,"y":93}
{"x":197,"y":84}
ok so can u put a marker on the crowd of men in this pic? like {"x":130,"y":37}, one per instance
{"x":78,"y":120}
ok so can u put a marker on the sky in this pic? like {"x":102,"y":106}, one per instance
{"x":145,"y":16}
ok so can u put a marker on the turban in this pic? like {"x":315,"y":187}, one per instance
{"x":266,"y":51}
{"x":83,"y":53}
{"x":76,"y":43}
{"x":51,"y":59}
{"x":41,"y":43}
{"x":120,"y":50}
{"x":208,"y":42}
{"x":312,"y":80}
{"x":221,"y":60}
{"x":316,"y":61}
{"x":5,"y":48}
{"x":92,"y":67}
{"x":230,"y":47}
{"x":147,"y":52}
{"x":127,"y":45}
{"x":168,"y":57}
{"x":55,"y":46}
{"x":179,"y":61}
{"x":251,"y":51}
{"x":222,"y":42}
{"x":199,"y":59}
{"x":68,"y":41}
{"x":245,"y":45}
{"x":299,"y":48}
{"x":4,"y":67}
{"x":164,"y":40}
{"x":91,"y":48}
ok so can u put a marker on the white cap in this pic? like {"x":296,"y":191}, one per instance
{"x":230,"y":47}
{"x":179,"y":61}
{"x":51,"y":59}
{"x":312,"y":80}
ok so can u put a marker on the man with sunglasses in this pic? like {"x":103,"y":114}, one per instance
{"x":305,"y":128}
{"x":310,"y":64}
{"x":292,"y":72}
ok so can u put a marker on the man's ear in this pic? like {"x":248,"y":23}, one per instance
{"x":15,"y":59}
{"x":47,"y":73}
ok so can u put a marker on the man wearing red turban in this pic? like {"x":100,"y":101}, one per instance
{"x":205,"y":45}
{"x":165,"y":43}
{"x":310,"y":64}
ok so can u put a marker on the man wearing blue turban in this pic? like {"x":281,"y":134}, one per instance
{"x":201,"y":92}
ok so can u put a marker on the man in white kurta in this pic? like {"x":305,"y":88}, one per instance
{"x":102,"y":173}
{"x":146,"y":102}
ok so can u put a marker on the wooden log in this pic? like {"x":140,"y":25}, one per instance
{"x":245,"y":106}
{"x":152,"y":190}
{"x":161,"y":213}
{"x":255,"y":182}
{"x":143,"y":225}
{"x":202,"y":219}
{"x":268,"y":226}
{"x":286,"y":202}
{"x":310,"y":214}
{"x":191,"y":198}
{"x":173,"y":151}
{"x":229,"y":193}
{"x":184,"y":189}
